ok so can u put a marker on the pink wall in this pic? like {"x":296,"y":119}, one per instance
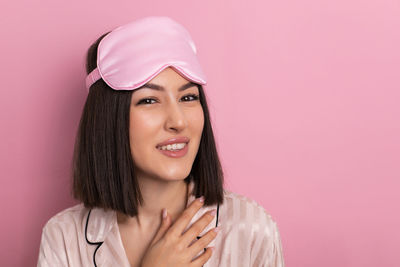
{"x":304,"y":98}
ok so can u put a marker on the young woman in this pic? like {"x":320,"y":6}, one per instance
{"x":146,"y":168}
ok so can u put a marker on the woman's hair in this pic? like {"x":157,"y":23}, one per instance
{"x":103,"y":168}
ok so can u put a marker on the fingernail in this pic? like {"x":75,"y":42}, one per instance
{"x":212,"y":248}
{"x":164,"y":213}
{"x":201,"y":199}
{"x":216,"y":229}
{"x":213,"y":212}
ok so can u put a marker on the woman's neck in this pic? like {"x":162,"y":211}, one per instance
{"x":157,"y":195}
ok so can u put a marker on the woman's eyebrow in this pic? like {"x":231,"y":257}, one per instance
{"x":161,"y":88}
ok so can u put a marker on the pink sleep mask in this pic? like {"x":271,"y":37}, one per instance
{"x":134,"y":53}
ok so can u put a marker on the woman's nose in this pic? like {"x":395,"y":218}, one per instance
{"x":175,"y":118}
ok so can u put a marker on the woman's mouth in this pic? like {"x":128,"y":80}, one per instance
{"x":175,"y":150}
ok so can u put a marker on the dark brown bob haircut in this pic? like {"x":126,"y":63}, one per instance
{"x":103,"y":170}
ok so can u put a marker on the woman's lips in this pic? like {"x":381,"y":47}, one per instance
{"x":174,"y":140}
{"x":175,"y":154}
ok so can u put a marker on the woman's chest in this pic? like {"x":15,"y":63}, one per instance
{"x":135,"y":251}
{"x":135,"y":245}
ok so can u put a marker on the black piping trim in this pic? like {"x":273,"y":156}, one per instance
{"x":92,"y":243}
{"x":216,"y":224}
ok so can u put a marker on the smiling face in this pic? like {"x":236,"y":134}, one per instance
{"x":159,"y":115}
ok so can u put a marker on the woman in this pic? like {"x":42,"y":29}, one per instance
{"x":146,"y":168}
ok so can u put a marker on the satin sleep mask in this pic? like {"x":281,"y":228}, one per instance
{"x":133,"y":54}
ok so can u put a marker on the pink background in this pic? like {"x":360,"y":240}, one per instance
{"x":304,"y":97}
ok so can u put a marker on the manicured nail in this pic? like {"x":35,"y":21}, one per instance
{"x":164,"y":213}
{"x":213,"y":212}
{"x":201,"y":199}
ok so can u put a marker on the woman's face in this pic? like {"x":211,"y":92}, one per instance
{"x":167,"y":113}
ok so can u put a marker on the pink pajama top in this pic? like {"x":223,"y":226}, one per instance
{"x":78,"y":236}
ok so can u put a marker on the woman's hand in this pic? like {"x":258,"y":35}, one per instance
{"x":172,"y":248}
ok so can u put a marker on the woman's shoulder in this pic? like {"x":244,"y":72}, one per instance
{"x":243,"y":209}
{"x":59,"y":232}
{"x":70,"y":216}
{"x":251,"y":226}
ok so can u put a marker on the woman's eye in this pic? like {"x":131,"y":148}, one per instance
{"x":144,"y":101}
{"x":147,"y":100}
{"x":194,"y":97}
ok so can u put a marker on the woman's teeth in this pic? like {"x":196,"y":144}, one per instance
{"x":173,"y":147}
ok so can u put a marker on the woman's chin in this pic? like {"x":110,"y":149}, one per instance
{"x":174,"y":176}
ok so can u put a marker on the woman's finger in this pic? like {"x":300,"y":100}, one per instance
{"x":181,"y":223}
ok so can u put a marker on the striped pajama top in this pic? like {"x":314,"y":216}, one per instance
{"x":78,"y":236}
